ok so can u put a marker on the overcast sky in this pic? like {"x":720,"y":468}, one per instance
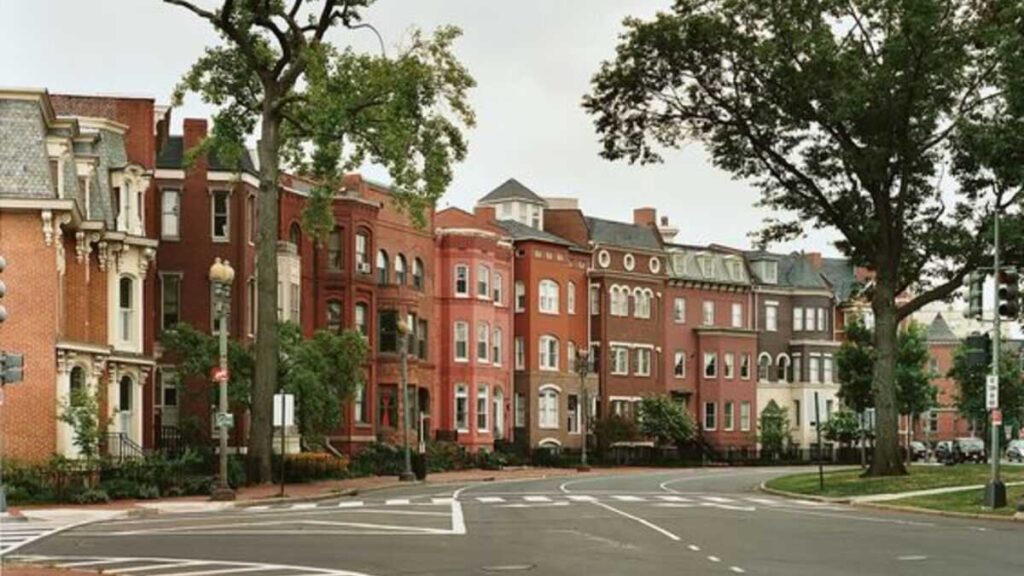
{"x":532,"y":60}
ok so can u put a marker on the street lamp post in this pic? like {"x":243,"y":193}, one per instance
{"x":583,"y":369}
{"x":403,"y":399}
{"x":222,"y":275}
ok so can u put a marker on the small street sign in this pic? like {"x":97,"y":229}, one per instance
{"x":284,"y":410}
{"x":221,"y":375}
{"x":991,"y":392}
{"x":225,"y":420}
{"x":997,"y":417}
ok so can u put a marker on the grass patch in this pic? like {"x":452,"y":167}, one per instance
{"x":846,"y":483}
{"x":968,"y":501}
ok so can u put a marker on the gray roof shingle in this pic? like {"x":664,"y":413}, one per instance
{"x":795,"y":270}
{"x":512,"y":189}
{"x":622,"y":234}
{"x":172,"y":155}
{"x":939,"y":330}
{"x":519,"y":231}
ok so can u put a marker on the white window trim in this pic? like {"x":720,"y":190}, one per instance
{"x":614,"y":367}
{"x":486,"y":342}
{"x":455,"y":342}
{"x":570,"y":297}
{"x":497,"y":346}
{"x":551,"y":311}
{"x":750,"y":367}
{"x":213,"y":219}
{"x":163,"y":234}
{"x":519,"y":289}
{"x":483,"y":272}
{"x":728,"y":365}
{"x":498,"y":288}
{"x":455,"y":281}
{"x":704,"y":365}
{"x":675,"y":308}
{"x":544,"y":342}
{"x":728,"y":416}
{"x":541,"y":395}
{"x":461,"y":391}
{"x":675,"y":363}
{"x":704,"y":416}
{"x":737,"y":322}
{"x":519,"y":345}
{"x":745,"y":426}
{"x":704,"y":312}
{"x":163,"y":292}
{"x":650,"y":359}
{"x":486,"y":428}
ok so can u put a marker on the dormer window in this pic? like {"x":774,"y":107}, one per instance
{"x":768,"y":271}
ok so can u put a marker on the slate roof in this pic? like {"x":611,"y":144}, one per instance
{"x":840,"y":274}
{"x":939,"y":330}
{"x":172,"y":155}
{"x":512,"y":189}
{"x":519,"y":231}
{"x":622,"y":234}
{"x":795,"y":270}
{"x":704,"y":265}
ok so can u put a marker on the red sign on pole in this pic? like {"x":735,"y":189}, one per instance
{"x":997,"y":417}
{"x":220,"y":375}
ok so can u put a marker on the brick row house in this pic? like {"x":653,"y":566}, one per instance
{"x":499,"y":303}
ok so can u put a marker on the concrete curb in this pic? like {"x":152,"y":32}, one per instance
{"x":1018,"y":517}
{"x":797,"y":496}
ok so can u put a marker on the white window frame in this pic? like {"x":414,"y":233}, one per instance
{"x":463,"y":270}
{"x":822,"y":323}
{"x":814,"y":368}
{"x":618,"y":301}
{"x":798,"y":319}
{"x":710,"y":360}
{"x":483,"y":400}
{"x":483,"y":342}
{"x":570,"y":297}
{"x":643,"y":298}
{"x":737,"y":315}
{"x":708,"y":312}
{"x":226,"y":237}
{"x":728,"y":416}
{"x":179,"y":278}
{"x":499,"y":289}
{"x":126,"y":315}
{"x":827,"y":368}
{"x":679,"y":311}
{"x":483,"y":282}
{"x":548,"y":398}
{"x":572,"y":424}
{"x":745,"y":416}
{"x":643,"y":361}
{"x":461,"y":393}
{"x":520,"y":295}
{"x":679,"y":360}
{"x":771,"y":317}
{"x":519,"y":410}
{"x":174,"y":215}
{"x":520,"y":352}
{"x":463,"y":327}
{"x":548,"y":359}
{"x":728,"y":365}
{"x":620,"y":360}
{"x":745,"y":367}
{"x":594,"y":295}
{"x":497,"y":346}
{"x":548,"y":290}
{"x":360,"y":405}
{"x":714,"y":417}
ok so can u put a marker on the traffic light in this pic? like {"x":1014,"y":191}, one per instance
{"x":1009,"y":293}
{"x":975,"y":294}
{"x":3,"y":291}
{"x":12,"y":368}
{"x":978,"y":350}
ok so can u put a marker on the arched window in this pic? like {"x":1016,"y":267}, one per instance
{"x":76,"y":389}
{"x":417,"y":273}
{"x":126,"y":308}
{"x":764,"y":367}
{"x":400,"y":269}
{"x":334,"y":254}
{"x":382,"y":267}
{"x":334,"y":315}
{"x":295,"y":234}
{"x":548,"y":296}
{"x":362,"y":313}
{"x":783,"y":373}
{"x":642,"y":307}
{"x":547,"y":414}
{"x":619,"y":296}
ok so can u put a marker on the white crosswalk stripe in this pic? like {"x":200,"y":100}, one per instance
{"x":397,"y":502}
{"x":674,"y":499}
{"x":536,"y":498}
{"x":581,"y":498}
{"x":490,"y":499}
{"x":15,"y":535}
{"x":718,"y":499}
{"x":140,"y":566}
{"x":628,"y":498}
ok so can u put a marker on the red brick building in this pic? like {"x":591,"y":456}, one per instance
{"x":474,"y":302}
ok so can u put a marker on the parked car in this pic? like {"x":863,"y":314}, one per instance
{"x":944,"y":452}
{"x":918,"y":451}
{"x":969,"y":449}
{"x":1015,"y":451}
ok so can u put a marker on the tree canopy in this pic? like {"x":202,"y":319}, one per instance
{"x":320,"y":110}
{"x":845,"y":114}
{"x":970,"y":379}
{"x":665,"y":420}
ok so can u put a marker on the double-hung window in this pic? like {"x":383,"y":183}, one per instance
{"x":548,"y":297}
{"x":483,"y":282}
{"x":679,"y":311}
{"x":547,"y":416}
{"x":737,"y":315}
{"x":822,"y":321}
{"x":461,"y":280}
{"x":170,"y":214}
{"x":570,"y":297}
{"x":499,"y":289}
{"x":679,"y":364}
{"x":497,"y":345}
{"x":745,"y":416}
{"x":461,"y":341}
{"x":643,"y":362}
{"x":798,"y":319}
{"x":520,"y":293}
{"x":220,"y":208}
{"x":709,"y":416}
{"x":620,"y":360}
{"x":728,"y":364}
{"x":771,"y":317}
{"x":483,"y":342}
{"x":520,"y":353}
{"x":710,"y":364}
{"x":727,"y":416}
{"x":548,"y":353}
{"x":462,"y":408}
{"x":482,"y":402}
{"x":709,"y":313}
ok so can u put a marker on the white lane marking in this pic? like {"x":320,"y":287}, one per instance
{"x":718,"y":499}
{"x":714,"y":558}
{"x":809,"y":502}
{"x":540,"y":505}
{"x":581,"y":498}
{"x":693,"y":477}
{"x":458,"y":522}
{"x":628,"y":498}
{"x":677,"y":505}
{"x":304,"y":506}
{"x":165,"y":563}
{"x":393,"y":512}
{"x":441,"y":500}
{"x":42,"y":532}
{"x":737,"y":569}
{"x":650,"y":525}
{"x":257,"y":508}
{"x":729,"y":507}
{"x":160,"y":565}
{"x":765,"y":501}
{"x":92,"y":563}
{"x":353,"y":504}
{"x":694,"y":547}
{"x":490,"y":499}
{"x":536,"y":498}
{"x":232,"y":570}
{"x":911,"y":558}
{"x":674,"y":499}
{"x":397,"y":502}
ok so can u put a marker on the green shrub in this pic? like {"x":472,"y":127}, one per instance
{"x":488,"y":460}
{"x":377,"y":458}
{"x":90,"y":496}
{"x":120,"y":488}
{"x":312,"y":466}
{"x":445,"y":456}
{"x":148,"y":492}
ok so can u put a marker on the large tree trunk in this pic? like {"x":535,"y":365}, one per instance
{"x":887,"y":461}
{"x":265,"y":377}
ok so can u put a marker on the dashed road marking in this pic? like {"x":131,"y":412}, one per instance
{"x":536,"y":498}
{"x":628,"y":498}
{"x":581,"y":498}
{"x":719,"y":499}
{"x":489,"y":499}
{"x":911,"y":558}
{"x":714,"y":559}
{"x":397,"y":502}
{"x":352,"y":504}
{"x":304,"y":506}
{"x":674,"y":499}
{"x":737,"y":569}
{"x":694,"y":547}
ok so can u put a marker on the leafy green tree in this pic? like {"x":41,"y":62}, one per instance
{"x":82,"y":413}
{"x":665,"y":420}
{"x":855,"y":363}
{"x":614,"y":428}
{"x":322,"y":372}
{"x":843,"y":428}
{"x":970,"y":379}
{"x":845,"y":114}
{"x":322,"y":110}
{"x":195,"y":354}
{"x":773,"y":428}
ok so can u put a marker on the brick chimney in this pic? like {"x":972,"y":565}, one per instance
{"x":645,"y":216}
{"x":815,"y":259}
{"x":194,"y":133}
{"x":485,"y":213}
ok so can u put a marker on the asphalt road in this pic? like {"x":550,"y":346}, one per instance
{"x":694,"y":521}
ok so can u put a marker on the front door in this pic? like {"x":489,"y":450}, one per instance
{"x":125,"y":406}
